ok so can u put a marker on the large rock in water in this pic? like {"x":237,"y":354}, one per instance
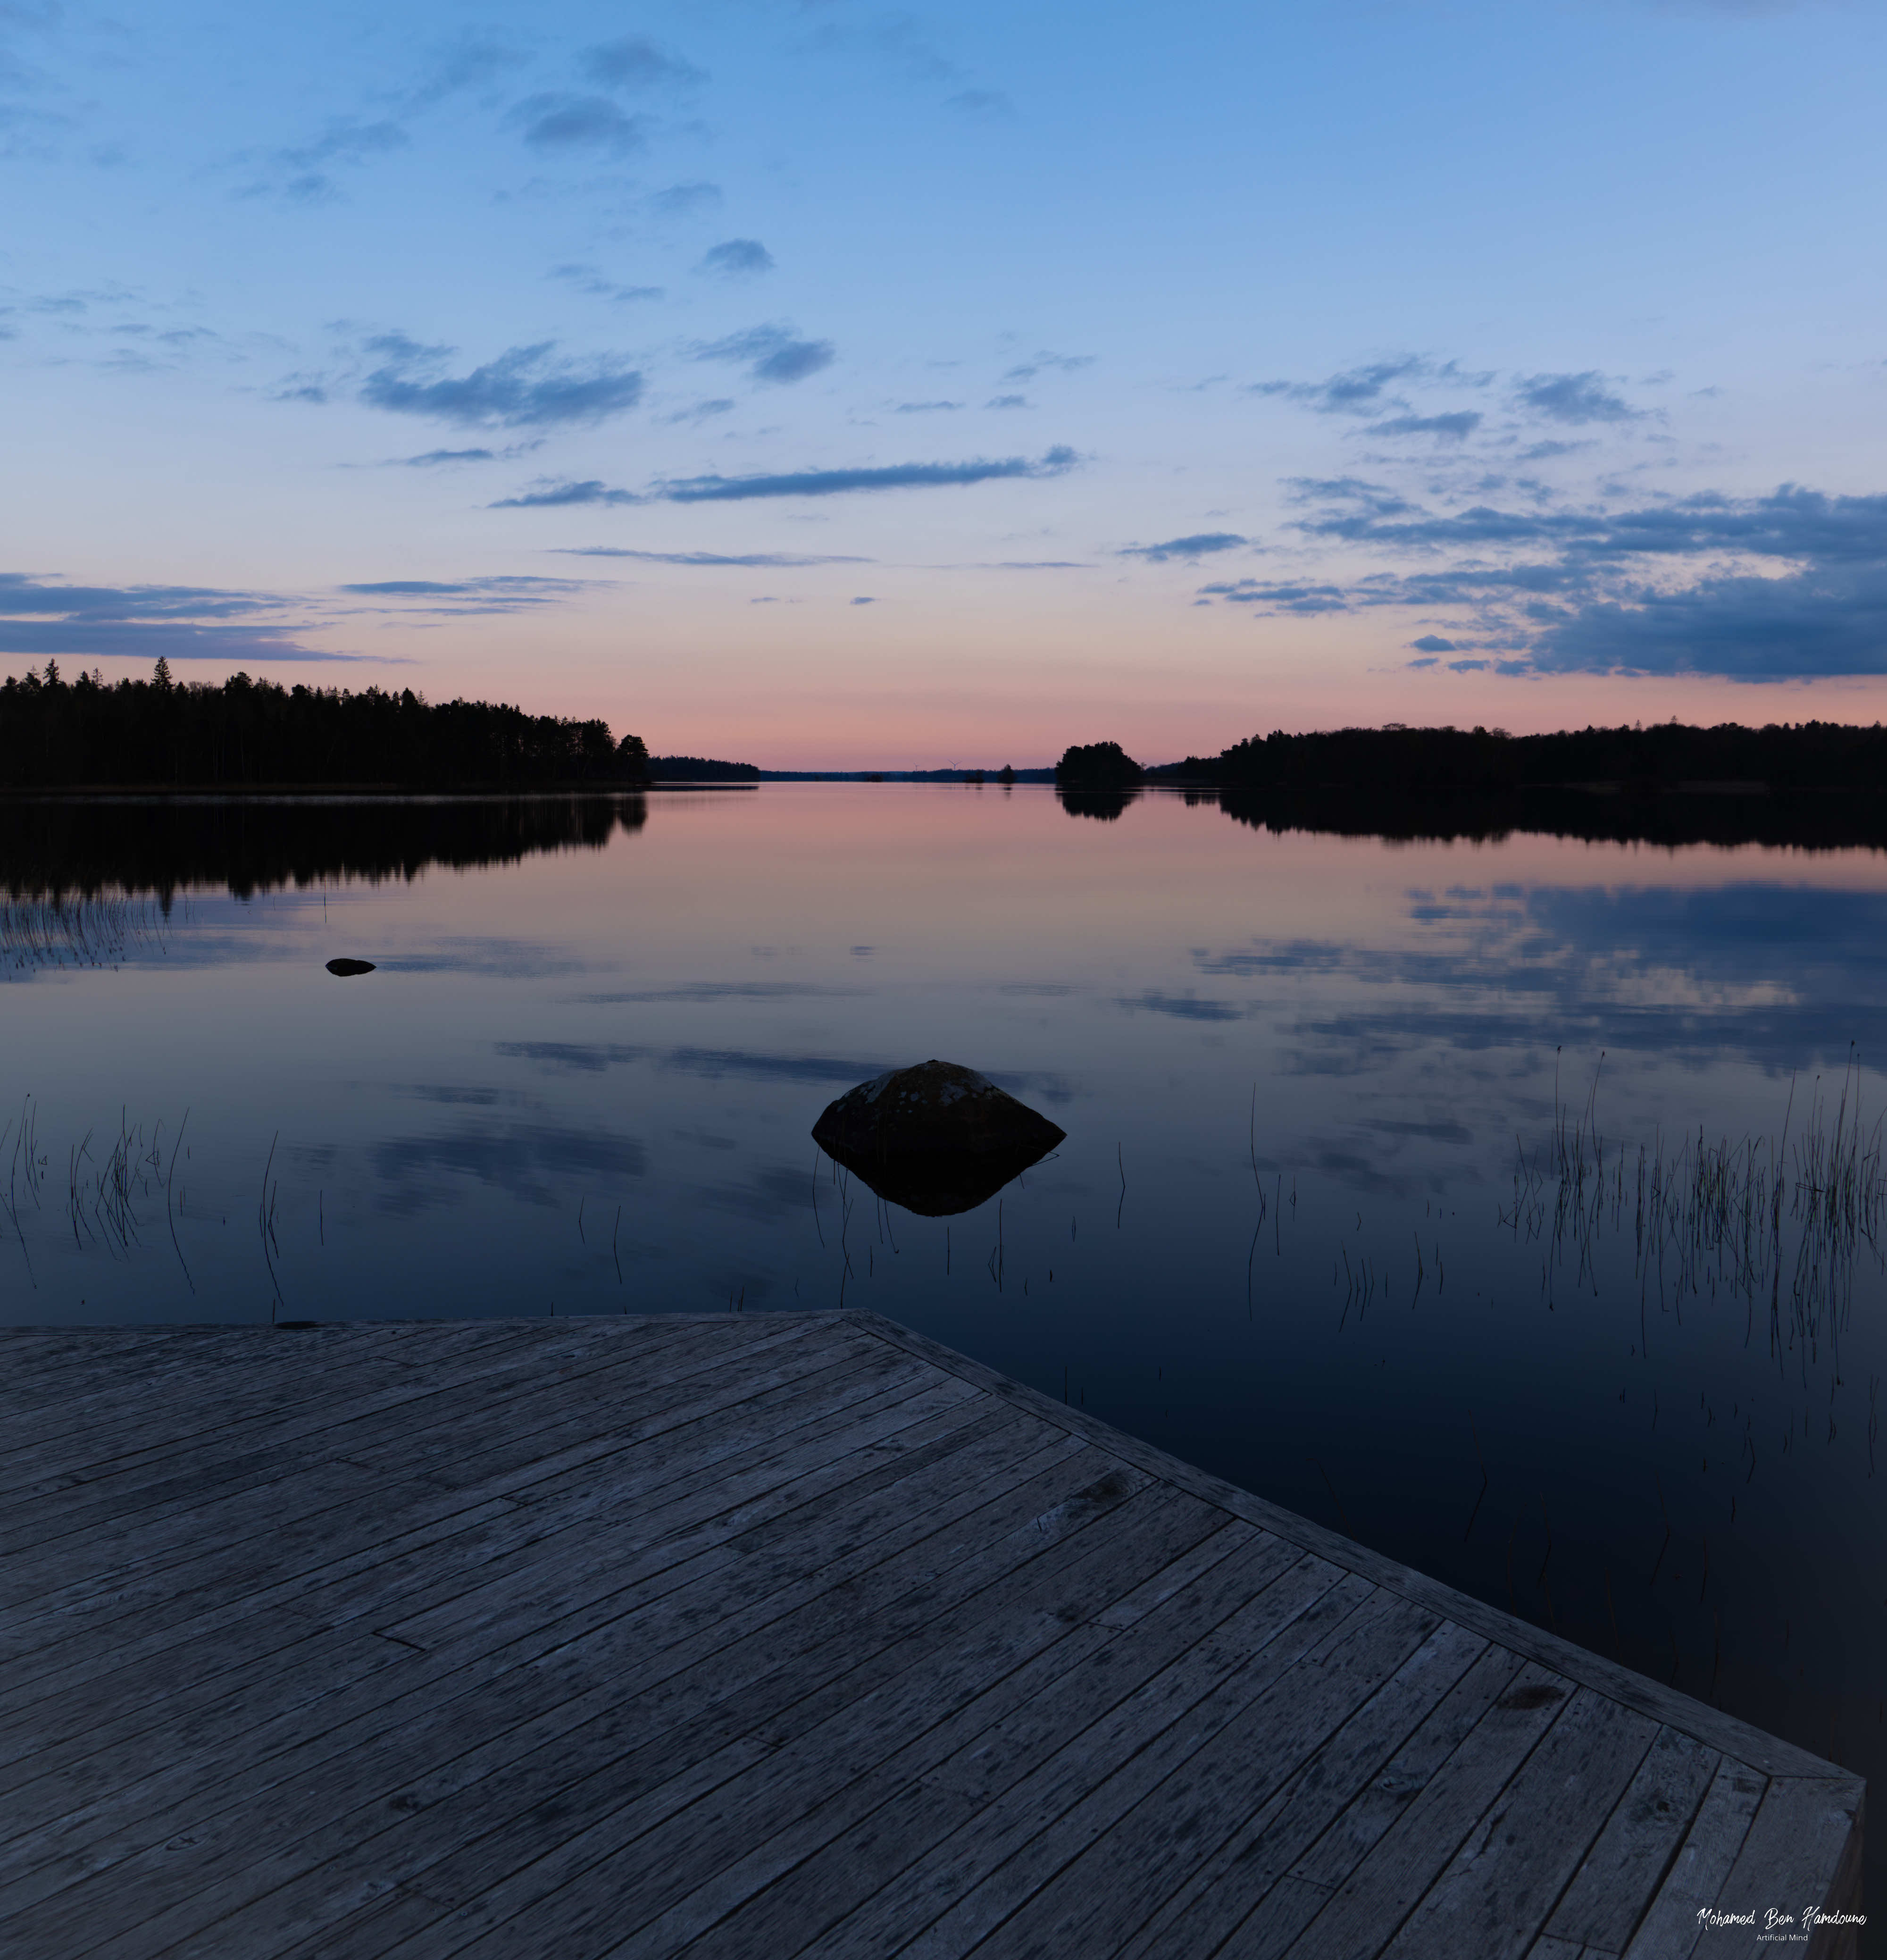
{"x":937,"y":1139}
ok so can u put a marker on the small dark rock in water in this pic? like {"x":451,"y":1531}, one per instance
{"x":346,"y":968}
{"x":937,"y":1139}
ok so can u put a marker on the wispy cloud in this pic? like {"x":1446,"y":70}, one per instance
{"x":770,"y":352}
{"x":1196,"y":546}
{"x":554,"y":123}
{"x":1045,"y":362}
{"x":736,"y":257}
{"x":894,"y":476}
{"x":45,"y":618}
{"x":634,"y":61}
{"x":302,"y":173}
{"x":563,"y":496}
{"x":590,"y":281}
{"x":1055,"y":462}
{"x":685,"y":200}
{"x":768,"y":561}
{"x":446,"y":458}
{"x":501,"y":593}
{"x":524,"y":387}
{"x":1578,"y":398}
{"x":1455,"y":427}
{"x":1369,"y":389}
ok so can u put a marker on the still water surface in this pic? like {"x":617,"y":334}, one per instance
{"x":1429,"y":1188}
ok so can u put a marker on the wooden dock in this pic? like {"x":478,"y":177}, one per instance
{"x":762,"y":1635}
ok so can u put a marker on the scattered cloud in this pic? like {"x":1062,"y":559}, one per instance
{"x":1577,"y":399}
{"x":555,"y":123}
{"x":1789,"y":586}
{"x":771,"y":352}
{"x":590,"y":281}
{"x":701,"y":412}
{"x":444,"y":458}
{"x":1196,"y":546}
{"x":45,"y":618}
{"x":895,"y":476}
{"x":1457,"y":427}
{"x":685,"y":200}
{"x":1007,"y":401}
{"x":1281,"y":596}
{"x":560,"y":496}
{"x":766,"y":560}
{"x":924,"y":408}
{"x":1044,"y":362}
{"x":636,"y":61}
{"x":1055,"y":462}
{"x":300,"y":173}
{"x":458,"y":596}
{"x":524,"y":387}
{"x":472,"y":63}
{"x":1373,"y":387}
{"x":865,"y":601}
{"x":736,"y":257}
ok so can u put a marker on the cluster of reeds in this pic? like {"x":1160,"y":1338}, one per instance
{"x":92,"y":931}
{"x":104,"y":1193}
{"x":1735,"y":1218}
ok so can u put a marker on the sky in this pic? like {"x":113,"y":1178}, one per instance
{"x":820,"y":385}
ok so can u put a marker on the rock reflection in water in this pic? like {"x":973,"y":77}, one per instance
{"x":937,"y":1185}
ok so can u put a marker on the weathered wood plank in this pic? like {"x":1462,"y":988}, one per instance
{"x":405,"y":1415}
{"x":1370,"y":1905}
{"x":1695,"y":1879}
{"x":191,"y":1546}
{"x":1025,"y":1777}
{"x":1318,"y":1827}
{"x":1803,"y":1828}
{"x":781,"y":1623}
{"x":1270,"y":1780}
{"x":1495,"y":1897}
{"x":776,"y":1635}
{"x":691,"y":1500}
{"x":533,"y":1470}
{"x":818,"y":1776}
{"x":1769,"y":1753}
{"x":370,"y":1501}
{"x":1615,"y":1885}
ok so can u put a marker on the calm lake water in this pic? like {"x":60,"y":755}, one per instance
{"x":1429,"y":1188}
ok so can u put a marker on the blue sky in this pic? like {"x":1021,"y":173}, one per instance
{"x":820,"y":383}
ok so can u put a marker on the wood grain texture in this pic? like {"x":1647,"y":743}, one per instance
{"x":744,"y":1635}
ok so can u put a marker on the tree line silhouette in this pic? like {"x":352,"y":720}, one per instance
{"x":56,"y":733}
{"x":1662,"y":756}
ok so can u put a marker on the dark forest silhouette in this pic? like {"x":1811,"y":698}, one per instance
{"x":160,"y":732}
{"x":1807,"y":755}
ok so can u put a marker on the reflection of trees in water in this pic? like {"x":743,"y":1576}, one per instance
{"x":83,"y":882}
{"x":1806,"y":820}
{"x":58,"y":849}
{"x":1106,"y":806}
